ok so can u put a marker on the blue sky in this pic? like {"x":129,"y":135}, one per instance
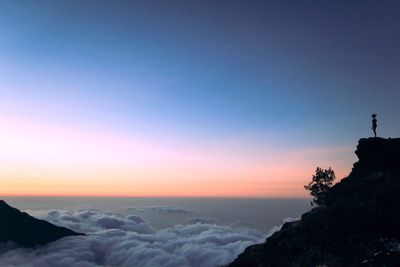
{"x":282,"y":74}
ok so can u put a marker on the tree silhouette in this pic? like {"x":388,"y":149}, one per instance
{"x":320,"y":184}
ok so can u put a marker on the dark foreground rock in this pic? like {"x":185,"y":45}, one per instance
{"x":358,"y":226}
{"x":24,"y":230}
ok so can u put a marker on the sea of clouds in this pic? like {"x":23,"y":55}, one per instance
{"x":129,"y":240}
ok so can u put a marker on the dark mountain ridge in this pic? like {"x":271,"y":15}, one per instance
{"x":357,"y":226}
{"x":24,"y":230}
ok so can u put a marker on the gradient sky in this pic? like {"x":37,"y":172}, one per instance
{"x":191,"y":98}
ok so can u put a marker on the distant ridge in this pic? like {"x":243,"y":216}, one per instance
{"x":24,"y":230}
{"x":357,"y":226}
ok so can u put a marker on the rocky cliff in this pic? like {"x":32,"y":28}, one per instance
{"x":24,"y":230}
{"x":358,"y":226}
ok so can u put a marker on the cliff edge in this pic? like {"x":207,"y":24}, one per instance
{"x":358,"y":226}
{"x":26,"y":231}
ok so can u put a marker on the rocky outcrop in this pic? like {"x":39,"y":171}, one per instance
{"x":358,"y":226}
{"x":24,"y":230}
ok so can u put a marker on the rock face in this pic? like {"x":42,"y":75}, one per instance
{"x":24,"y":230}
{"x":358,"y":226}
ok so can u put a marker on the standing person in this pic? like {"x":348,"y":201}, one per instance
{"x":374,"y":123}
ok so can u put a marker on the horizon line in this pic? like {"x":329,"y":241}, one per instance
{"x":170,"y":196}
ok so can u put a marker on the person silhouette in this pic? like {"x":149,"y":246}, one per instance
{"x":374,"y":123}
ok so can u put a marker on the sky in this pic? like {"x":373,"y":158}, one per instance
{"x":191,"y":98}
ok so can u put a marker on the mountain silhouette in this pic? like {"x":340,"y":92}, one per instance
{"x":24,"y":230}
{"x":358,"y":225}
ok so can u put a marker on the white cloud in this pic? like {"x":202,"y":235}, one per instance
{"x":201,"y":220}
{"x":116,"y":240}
{"x":89,"y":221}
{"x":163,"y":209}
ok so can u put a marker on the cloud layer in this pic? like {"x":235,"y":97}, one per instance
{"x":163,"y":209}
{"x":116,"y":240}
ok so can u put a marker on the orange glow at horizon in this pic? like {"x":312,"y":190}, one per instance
{"x":49,"y":160}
